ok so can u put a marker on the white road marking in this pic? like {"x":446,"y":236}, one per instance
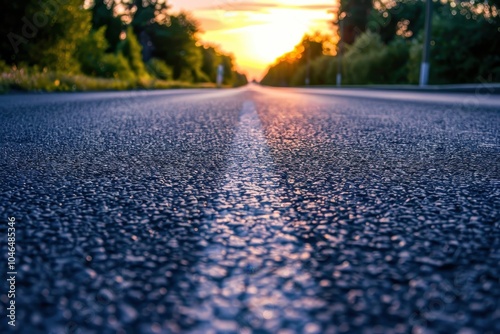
{"x":252,"y":274}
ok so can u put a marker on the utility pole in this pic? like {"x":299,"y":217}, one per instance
{"x":424,"y":67}
{"x":339,"y":54}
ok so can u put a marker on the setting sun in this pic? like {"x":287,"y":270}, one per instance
{"x":258,"y":32}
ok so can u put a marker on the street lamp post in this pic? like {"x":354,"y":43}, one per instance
{"x":424,"y":67}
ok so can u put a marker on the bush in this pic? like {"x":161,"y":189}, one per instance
{"x":125,"y":64}
{"x":299,"y":77}
{"x":91,"y":51}
{"x":414,"y":61}
{"x":159,"y":69}
{"x":31,"y":79}
{"x":398,"y":52}
{"x":332,"y":70}
{"x":56,"y":42}
{"x":317,"y":72}
{"x":186,"y":75}
{"x":132,"y":51}
{"x":370,"y":61}
{"x":363,"y":59}
{"x":4,"y":67}
{"x":465,"y":50}
{"x":115,"y":66}
{"x":240,"y":80}
{"x":200,"y":76}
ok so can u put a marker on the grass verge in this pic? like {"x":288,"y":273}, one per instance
{"x":22,"y":80}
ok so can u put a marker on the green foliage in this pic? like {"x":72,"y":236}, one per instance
{"x":229,"y":74}
{"x":91,"y":50}
{"x":465,"y":46}
{"x":405,"y":18}
{"x":286,"y":70}
{"x":45,"y":33}
{"x":281,"y":73}
{"x":366,"y":61}
{"x":62,"y":37}
{"x":212,"y":58}
{"x":356,"y":21}
{"x":55,"y":44}
{"x":113,"y":40}
{"x":240,"y":80}
{"x":96,"y":62}
{"x":158,"y":69}
{"x":31,"y":79}
{"x":363,"y":61}
{"x":115,"y":66}
{"x":103,"y":17}
{"x":414,"y":61}
{"x":175,"y":43}
{"x":4,"y":67}
{"x":368,"y":42}
{"x":465,"y":49}
{"x":317,"y":72}
{"x":131,"y":50}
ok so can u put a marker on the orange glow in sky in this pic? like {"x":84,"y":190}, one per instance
{"x":256,"y":32}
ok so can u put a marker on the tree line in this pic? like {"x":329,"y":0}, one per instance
{"x":128,"y":40}
{"x":382,"y":42}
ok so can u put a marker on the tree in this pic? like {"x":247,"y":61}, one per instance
{"x":403,"y":18}
{"x":211,"y":60}
{"x":355,"y":15}
{"x":175,"y":42}
{"x":103,"y":15}
{"x":281,"y":73}
{"x":131,"y":50}
{"x":13,"y":41}
{"x":45,"y":33}
{"x":466,"y":49}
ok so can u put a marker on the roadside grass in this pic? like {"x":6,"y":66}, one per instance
{"x":22,"y":80}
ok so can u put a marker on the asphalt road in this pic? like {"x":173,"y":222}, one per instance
{"x":253,"y":210}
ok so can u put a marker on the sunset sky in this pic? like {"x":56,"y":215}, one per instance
{"x":257,"y":31}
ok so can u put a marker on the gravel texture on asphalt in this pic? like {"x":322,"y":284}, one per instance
{"x":253,"y":210}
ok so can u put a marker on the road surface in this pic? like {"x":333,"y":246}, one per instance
{"x":253,"y":210}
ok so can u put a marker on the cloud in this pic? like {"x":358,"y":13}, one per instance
{"x":211,"y":24}
{"x":237,"y":6}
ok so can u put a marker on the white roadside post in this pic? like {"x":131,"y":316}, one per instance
{"x":308,"y":73}
{"x":339,"y":53}
{"x":220,"y":75}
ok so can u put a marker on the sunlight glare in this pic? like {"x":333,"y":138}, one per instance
{"x":257,"y":32}
{"x":268,"y":35}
